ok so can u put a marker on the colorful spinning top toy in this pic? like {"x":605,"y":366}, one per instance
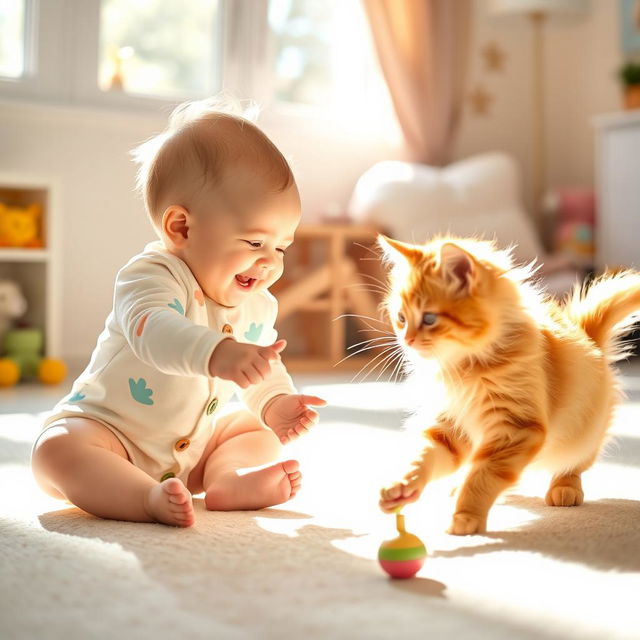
{"x":402,"y":557}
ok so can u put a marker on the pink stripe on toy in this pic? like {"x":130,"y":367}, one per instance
{"x":402,"y":568}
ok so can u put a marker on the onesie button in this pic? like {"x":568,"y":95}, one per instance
{"x":167,"y":475}
{"x":213,"y":405}
{"x":227,"y":329}
{"x":182,"y":444}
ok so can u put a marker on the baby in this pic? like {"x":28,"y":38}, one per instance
{"x":192,"y":322}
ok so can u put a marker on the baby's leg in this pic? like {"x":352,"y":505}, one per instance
{"x":235,"y":470}
{"x":81,"y":460}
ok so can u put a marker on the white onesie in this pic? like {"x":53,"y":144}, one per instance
{"x":148,"y":378}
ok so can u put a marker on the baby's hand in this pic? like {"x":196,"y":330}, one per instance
{"x":244,"y":364}
{"x":288,"y":415}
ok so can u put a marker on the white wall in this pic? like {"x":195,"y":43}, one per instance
{"x":582,"y":55}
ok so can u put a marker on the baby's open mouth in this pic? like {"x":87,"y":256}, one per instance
{"x":244,"y":281}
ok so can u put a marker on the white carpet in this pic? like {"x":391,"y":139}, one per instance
{"x":307,"y":569}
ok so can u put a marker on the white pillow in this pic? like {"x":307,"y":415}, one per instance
{"x":476,"y":196}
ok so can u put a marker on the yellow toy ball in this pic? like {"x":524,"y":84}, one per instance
{"x":52,"y":371}
{"x":9,"y":372}
{"x":402,"y":557}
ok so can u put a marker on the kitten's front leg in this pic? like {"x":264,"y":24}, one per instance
{"x":445,"y":451}
{"x":497,"y":464}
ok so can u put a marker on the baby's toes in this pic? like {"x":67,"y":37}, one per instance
{"x":179,"y":498}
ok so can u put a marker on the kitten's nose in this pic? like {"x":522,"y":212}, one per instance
{"x":409,"y":340}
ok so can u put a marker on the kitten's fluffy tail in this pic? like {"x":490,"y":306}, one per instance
{"x":607,"y":310}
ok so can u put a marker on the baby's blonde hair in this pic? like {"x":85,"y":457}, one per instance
{"x":203,"y":139}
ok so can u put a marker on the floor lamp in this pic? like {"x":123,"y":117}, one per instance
{"x":538,"y":11}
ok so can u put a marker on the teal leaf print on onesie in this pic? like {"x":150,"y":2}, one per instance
{"x":254,"y":332}
{"x":76,"y":397}
{"x":140,"y":392}
{"x":177,"y":306}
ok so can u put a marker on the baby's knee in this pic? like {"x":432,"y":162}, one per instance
{"x":48,"y":459}
{"x":51,"y":448}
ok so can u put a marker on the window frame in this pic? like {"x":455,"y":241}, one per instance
{"x":46,"y":52}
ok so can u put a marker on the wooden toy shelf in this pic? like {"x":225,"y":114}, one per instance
{"x":325,"y":278}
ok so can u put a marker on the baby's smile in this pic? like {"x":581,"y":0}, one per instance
{"x":245,"y":282}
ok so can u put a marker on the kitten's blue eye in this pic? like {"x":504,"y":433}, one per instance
{"x":429,"y":319}
{"x":401,"y":319}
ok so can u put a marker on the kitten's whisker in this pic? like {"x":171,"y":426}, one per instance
{"x":368,"y":364}
{"x":357,"y":315}
{"x":355,"y":353}
{"x":353,"y":346}
{"x":392,"y":361}
{"x":389,"y":333}
{"x":382,"y":283}
{"x":369,"y":249}
{"x":383,"y":357}
{"x":398,"y":369}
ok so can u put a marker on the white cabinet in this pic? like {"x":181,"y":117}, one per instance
{"x":36,"y":270}
{"x":618,"y":188}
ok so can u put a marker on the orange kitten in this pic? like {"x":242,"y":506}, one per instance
{"x":528,"y":379}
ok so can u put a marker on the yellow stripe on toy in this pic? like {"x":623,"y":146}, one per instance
{"x":403,"y":556}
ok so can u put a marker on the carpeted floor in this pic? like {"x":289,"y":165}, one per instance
{"x":307,"y":569}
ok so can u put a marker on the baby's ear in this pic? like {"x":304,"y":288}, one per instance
{"x":395,"y":251}
{"x":457,"y":267}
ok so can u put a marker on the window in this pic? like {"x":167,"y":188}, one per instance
{"x":323,"y":55}
{"x":142,"y":54}
{"x":159,"y":47}
{"x":12,"y":38}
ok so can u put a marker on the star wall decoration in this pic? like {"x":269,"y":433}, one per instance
{"x":494,"y":57}
{"x":480,"y":101}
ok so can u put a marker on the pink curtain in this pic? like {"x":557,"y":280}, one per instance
{"x":423,"y":46}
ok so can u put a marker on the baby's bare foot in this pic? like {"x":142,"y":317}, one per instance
{"x":254,"y":489}
{"x":170,"y":503}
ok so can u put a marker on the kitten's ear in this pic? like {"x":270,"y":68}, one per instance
{"x":396,"y":251}
{"x":457,"y":266}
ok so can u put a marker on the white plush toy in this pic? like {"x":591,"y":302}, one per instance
{"x":12,"y":305}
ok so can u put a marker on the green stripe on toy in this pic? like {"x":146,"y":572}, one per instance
{"x":400,"y":555}
{"x":403,"y":556}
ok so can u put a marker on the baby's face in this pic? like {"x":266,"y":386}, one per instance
{"x":237,"y":240}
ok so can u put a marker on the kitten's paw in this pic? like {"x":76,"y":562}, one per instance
{"x":466,"y":524}
{"x":564,"y":496}
{"x":400,"y":493}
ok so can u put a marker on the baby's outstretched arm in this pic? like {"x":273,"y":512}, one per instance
{"x":288,"y":415}
{"x":245,"y":364}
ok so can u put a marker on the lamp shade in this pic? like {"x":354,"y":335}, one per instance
{"x":532,"y":6}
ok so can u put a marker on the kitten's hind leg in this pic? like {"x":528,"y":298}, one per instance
{"x":565,"y":490}
{"x":445,"y":451}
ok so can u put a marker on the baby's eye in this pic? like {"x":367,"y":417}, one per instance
{"x":429,"y":319}
{"x":282,"y":251}
{"x":256,"y":244}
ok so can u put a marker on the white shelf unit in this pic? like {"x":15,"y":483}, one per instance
{"x":36,"y":270}
{"x":618,"y":189}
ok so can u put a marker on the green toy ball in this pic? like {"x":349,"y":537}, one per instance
{"x":403,"y":556}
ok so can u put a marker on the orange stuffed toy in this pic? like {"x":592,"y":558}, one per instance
{"x":20,"y":226}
